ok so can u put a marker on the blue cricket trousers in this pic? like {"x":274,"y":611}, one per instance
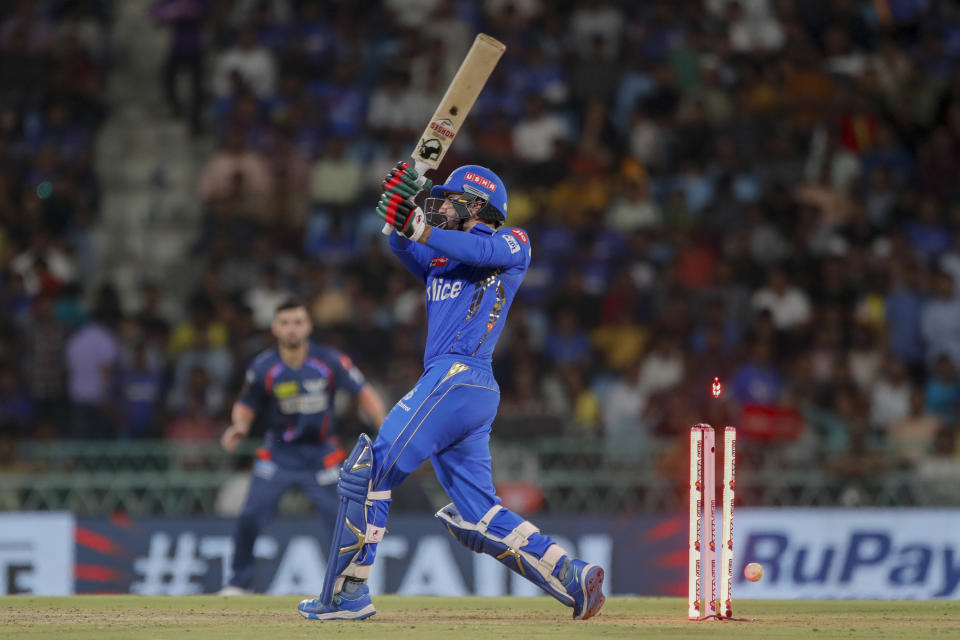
{"x":446,"y":418}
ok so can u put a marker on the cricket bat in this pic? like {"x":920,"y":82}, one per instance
{"x":453,"y":109}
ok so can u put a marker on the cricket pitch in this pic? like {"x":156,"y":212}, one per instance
{"x":111,"y":617}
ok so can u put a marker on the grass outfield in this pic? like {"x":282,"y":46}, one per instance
{"x":275,"y":618}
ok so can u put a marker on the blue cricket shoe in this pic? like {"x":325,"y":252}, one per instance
{"x":346,"y":606}
{"x":584,"y":582}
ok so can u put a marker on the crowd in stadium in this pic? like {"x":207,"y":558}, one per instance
{"x":763,"y":190}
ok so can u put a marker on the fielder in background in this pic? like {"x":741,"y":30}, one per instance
{"x":292,"y":387}
{"x":472,"y":266}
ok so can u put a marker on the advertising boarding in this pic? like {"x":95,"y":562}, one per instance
{"x":806,"y":553}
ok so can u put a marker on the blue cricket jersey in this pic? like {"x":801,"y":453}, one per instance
{"x":297,"y":404}
{"x":471,"y":279}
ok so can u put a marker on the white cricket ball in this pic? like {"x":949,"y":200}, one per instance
{"x":753,"y":571}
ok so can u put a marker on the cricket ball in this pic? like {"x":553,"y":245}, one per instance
{"x":753,"y":571}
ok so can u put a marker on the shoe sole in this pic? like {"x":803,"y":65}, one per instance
{"x":591,"y":579}
{"x":342,"y":614}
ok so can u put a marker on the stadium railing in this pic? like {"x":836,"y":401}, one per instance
{"x":574,"y":475}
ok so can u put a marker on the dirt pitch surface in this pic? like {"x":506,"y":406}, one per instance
{"x":276,"y":618}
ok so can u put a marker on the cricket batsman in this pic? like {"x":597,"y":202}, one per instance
{"x":292,"y":387}
{"x":472,"y":267}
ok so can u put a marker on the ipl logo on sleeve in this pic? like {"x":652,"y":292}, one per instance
{"x":512,"y":243}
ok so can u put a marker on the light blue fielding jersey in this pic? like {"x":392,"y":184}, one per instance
{"x":471,"y":279}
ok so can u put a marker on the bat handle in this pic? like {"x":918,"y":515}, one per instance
{"x":421,"y":168}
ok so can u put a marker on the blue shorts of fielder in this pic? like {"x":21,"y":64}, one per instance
{"x":445,"y":418}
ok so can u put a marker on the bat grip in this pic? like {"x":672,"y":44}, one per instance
{"x":421,"y":170}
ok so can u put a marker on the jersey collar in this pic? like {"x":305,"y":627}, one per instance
{"x":483,"y":229}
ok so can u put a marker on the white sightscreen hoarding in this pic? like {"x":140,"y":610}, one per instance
{"x":36,"y":553}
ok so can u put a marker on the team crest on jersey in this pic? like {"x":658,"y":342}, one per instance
{"x":444,"y":127}
{"x":439,"y":261}
{"x":521,"y":235}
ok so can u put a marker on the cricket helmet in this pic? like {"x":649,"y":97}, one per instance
{"x":472,"y":179}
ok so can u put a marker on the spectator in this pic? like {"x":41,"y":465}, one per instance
{"x":940,"y":321}
{"x":890,"y":396}
{"x":16,"y":406}
{"x":789,"y":305}
{"x":336,"y":179}
{"x":535,"y":134}
{"x":757,"y":31}
{"x":942,"y":393}
{"x":394,"y":106}
{"x":45,"y":266}
{"x":757,"y":381}
{"x":903,"y":306}
{"x":91,"y":354}
{"x":634,"y":208}
{"x":567,"y":344}
{"x":264,"y":297}
{"x":584,"y":404}
{"x":139,"y":394}
{"x":184,"y":54}
{"x":202,"y":324}
{"x":647,"y":140}
{"x":196,"y":399}
{"x":663,"y":367}
{"x":911,"y":439}
{"x":865,"y":357}
{"x":254,"y":63}
{"x":592,"y":21}
{"x":927,"y":234}
{"x":235,"y":169}
{"x":192,"y":426}
{"x":291,"y":184}
{"x":45,"y":370}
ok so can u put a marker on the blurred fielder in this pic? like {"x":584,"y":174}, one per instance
{"x":292,"y":387}
{"x":472,"y":267}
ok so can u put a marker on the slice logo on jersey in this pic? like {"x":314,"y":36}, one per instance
{"x":317,"y":385}
{"x":444,"y":127}
{"x":286,"y":389}
{"x":440,"y":289}
{"x":512,"y":243}
{"x":520,"y":235}
{"x":439,"y":261}
{"x":489,"y":185}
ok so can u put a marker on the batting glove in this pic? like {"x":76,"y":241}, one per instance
{"x":405,"y":181}
{"x":407,"y":218}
